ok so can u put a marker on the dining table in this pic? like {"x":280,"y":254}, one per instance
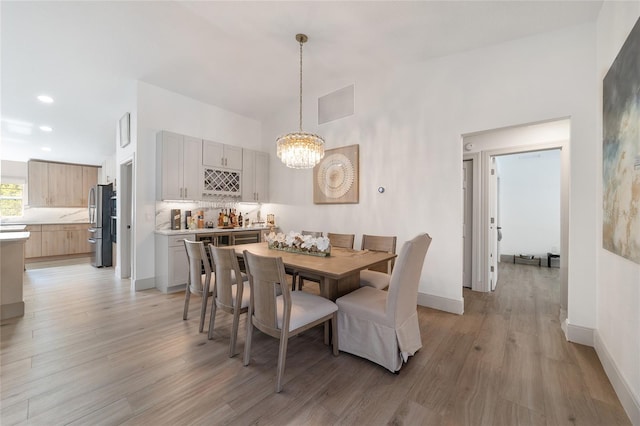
{"x":338,"y":273}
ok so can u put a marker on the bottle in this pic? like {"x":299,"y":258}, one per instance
{"x":240,"y":220}
{"x":231,"y":217}
{"x":220,"y":219}
{"x":225,"y":220}
{"x":247,"y":222}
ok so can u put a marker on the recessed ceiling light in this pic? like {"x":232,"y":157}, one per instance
{"x":46,"y":129}
{"x":45,"y":99}
{"x":46,"y":148}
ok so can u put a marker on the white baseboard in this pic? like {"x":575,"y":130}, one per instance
{"x":144,"y":284}
{"x":578,"y":334}
{"x":441,"y":303}
{"x":630,"y":403}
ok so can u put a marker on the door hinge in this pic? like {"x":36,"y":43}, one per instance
{"x":492,"y":269}
{"x":493,"y":172}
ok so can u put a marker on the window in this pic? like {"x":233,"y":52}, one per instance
{"x":11,"y":199}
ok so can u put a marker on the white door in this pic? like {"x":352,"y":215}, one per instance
{"x":493,"y":224}
{"x":467,"y":228}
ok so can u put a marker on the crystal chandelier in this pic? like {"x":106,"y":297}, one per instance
{"x":300,"y":150}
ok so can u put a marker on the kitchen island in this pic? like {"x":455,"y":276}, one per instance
{"x":11,"y":273}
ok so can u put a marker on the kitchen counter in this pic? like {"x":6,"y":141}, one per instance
{"x":27,"y":223}
{"x":208,"y":230}
{"x":12,"y":228}
{"x":13,"y":236}
{"x":11,"y":273}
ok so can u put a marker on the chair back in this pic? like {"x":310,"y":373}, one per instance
{"x":341,"y":240}
{"x":267,"y":279}
{"x":227,"y":269}
{"x":380,"y":243}
{"x":197,"y":258}
{"x":314,"y":234}
{"x":403,"y":287}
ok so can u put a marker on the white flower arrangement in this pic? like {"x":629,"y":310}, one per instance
{"x":298,"y":243}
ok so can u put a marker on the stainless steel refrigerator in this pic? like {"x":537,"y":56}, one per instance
{"x":100,"y":228}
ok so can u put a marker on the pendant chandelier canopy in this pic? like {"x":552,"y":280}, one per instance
{"x":300,"y":150}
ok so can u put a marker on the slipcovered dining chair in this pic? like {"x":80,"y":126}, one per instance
{"x":378,"y":276}
{"x":382,"y":326}
{"x":282,"y":315}
{"x":229,"y":294}
{"x":197,"y":282}
{"x":336,"y":240}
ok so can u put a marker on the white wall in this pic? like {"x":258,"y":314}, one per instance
{"x":618,"y":289}
{"x":159,"y":109}
{"x":530,"y":202}
{"x":409,"y":123}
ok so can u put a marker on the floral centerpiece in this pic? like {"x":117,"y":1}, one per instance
{"x":297,"y":243}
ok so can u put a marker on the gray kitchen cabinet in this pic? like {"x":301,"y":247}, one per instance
{"x":172,"y":268}
{"x":178,"y":166}
{"x":255,"y":176}
{"x":216,"y":154}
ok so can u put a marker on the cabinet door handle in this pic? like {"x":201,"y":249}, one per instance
{"x":222,"y":161}
{"x":180,"y":192}
{"x":185,"y":192}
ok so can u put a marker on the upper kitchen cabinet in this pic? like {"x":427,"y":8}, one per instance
{"x":178,"y":166}
{"x":59,"y":184}
{"x":215,"y":154}
{"x":255,"y":176}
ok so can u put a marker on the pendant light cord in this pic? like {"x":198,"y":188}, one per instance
{"x":301,"y":86}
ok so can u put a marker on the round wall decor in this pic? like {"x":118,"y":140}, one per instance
{"x":335,"y":177}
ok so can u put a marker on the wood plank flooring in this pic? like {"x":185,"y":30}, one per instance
{"x":91,"y":351}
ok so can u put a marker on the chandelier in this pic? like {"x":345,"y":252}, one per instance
{"x":300,"y":150}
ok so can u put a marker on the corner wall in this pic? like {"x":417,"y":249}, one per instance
{"x":159,"y":109}
{"x":617,"y":339}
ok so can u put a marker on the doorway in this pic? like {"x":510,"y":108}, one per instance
{"x":467,"y":225}
{"x":481,"y":148}
{"x":125,"y":252}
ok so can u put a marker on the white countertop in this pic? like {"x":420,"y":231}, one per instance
{"x":12,"y":228}
{"x":14,"y":236}
{"x":208,"y":230}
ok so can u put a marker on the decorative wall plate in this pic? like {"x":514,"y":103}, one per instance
{"x":335,"y":178}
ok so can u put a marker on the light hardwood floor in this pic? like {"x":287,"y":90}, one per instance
{"x":90,"y":351}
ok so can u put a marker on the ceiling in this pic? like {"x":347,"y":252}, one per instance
{"x":241,"y":56}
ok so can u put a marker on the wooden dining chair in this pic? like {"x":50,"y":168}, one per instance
{"x":342,"y":240}
{"x":282,"y":315}
{"x":294,"y":273}
{"x":379,"y":275}
{"x":336,"y":240}
{"x":229,"y":294}
{"x":382,"y":326}
{"x":197,"y":282}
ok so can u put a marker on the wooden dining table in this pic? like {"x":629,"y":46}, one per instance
{"x":339,"y":273}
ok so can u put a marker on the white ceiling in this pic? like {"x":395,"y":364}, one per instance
{"x":241,"y":56}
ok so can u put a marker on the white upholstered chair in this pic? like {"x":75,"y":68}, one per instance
{"x":382,"y":326}
{"x":378,"y":276}
{"x":197,"y":282}
{"x":282,"y":315}
{"x":228,"y":294}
